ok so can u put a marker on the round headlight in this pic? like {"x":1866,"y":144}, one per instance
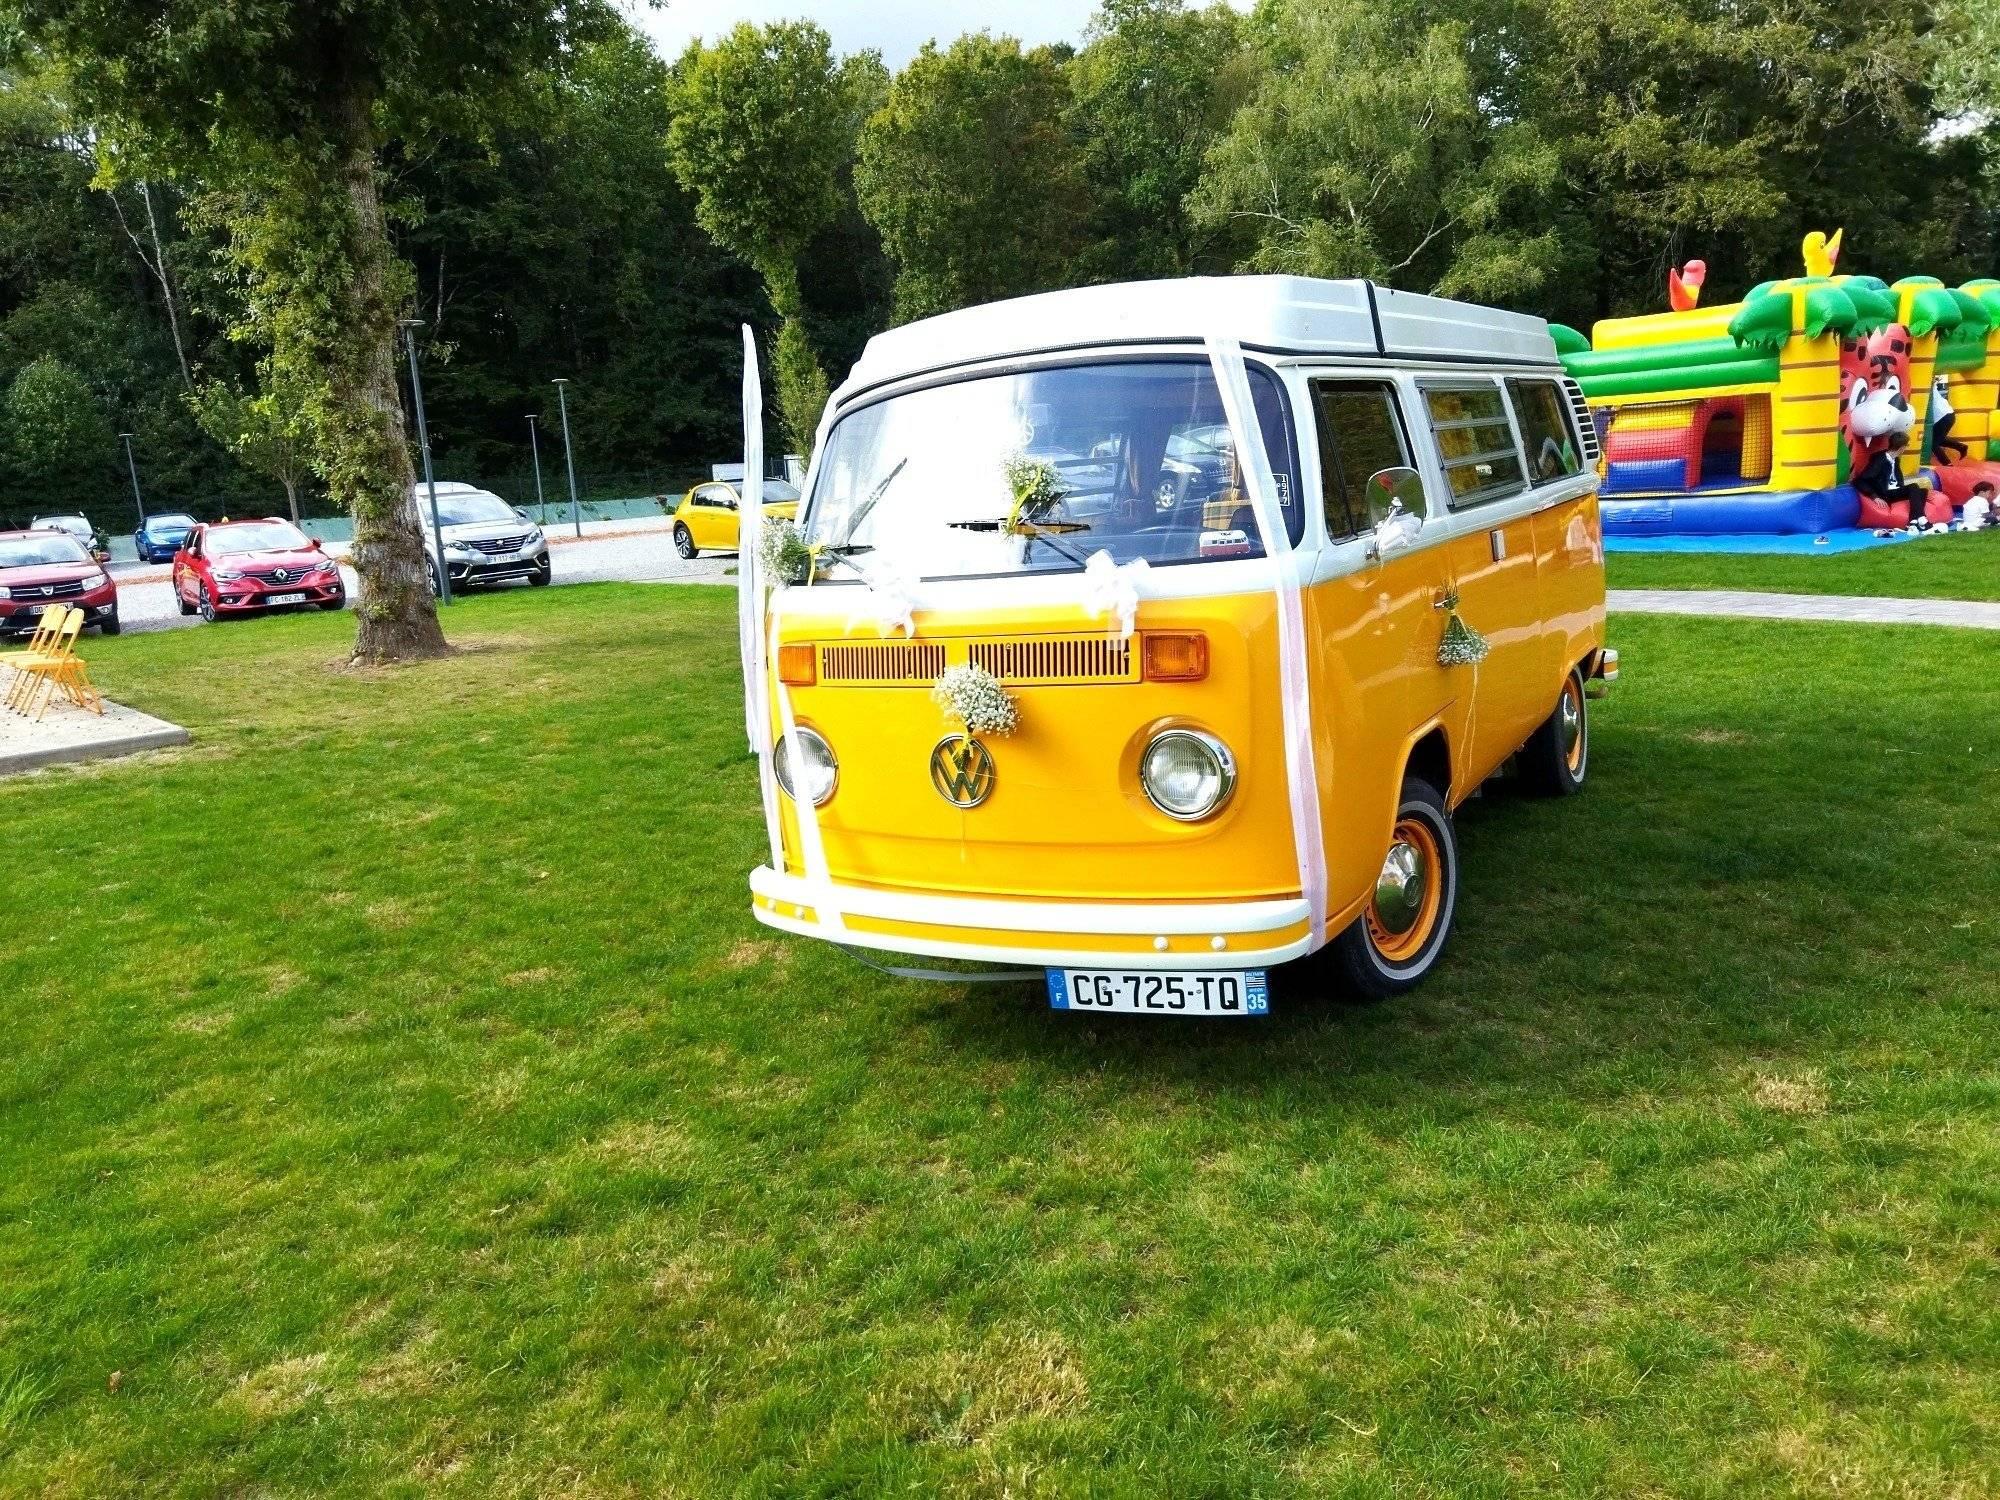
{"x":817,"y":771}
{"x":1187,"y":774}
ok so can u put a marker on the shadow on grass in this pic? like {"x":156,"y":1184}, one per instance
{"x":1686,"y":911}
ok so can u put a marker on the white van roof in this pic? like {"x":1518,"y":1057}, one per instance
{"x":1275,"y":314}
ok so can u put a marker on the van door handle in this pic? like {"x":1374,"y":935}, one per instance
{"x":1498,"y":540}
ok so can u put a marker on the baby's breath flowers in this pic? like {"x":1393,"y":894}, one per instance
{"x":974,"y":697}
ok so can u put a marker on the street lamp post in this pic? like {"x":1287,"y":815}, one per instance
{"x":410,"y":327}
{"x":535,"y":447}
{"x":132,"y":467}
{"x":569,"y":460}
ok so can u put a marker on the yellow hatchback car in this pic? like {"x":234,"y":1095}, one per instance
{"x":706,"y":518}
{"x":1160,"y":629}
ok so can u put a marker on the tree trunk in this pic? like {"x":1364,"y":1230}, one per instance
{"x":369,"y":467}
{"x":291,"y":496}
{"x":166,"y":284}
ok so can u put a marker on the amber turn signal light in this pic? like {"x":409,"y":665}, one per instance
{"x":1176,"y":658}
{"x":796,"y":666}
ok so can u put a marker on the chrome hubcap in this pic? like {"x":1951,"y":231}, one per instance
{"x":1569,"y":722}
{"x":1399,"y":889}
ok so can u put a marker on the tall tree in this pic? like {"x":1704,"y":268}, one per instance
{"x":284,"y":110}
{"x":972,"y":176}
{"x":1155,"y":87}
{"x":1366,"y":150}
{"x":58,"y":442}
{"x":761,"y":128}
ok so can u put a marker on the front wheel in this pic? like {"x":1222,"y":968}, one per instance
{"x":1557,"y":755}
{"x":205,"y":604}
{"x":684,"y":542}
{"x":109,"y":625}
{"x":541,"y":577}
{"x":1395,"y":943}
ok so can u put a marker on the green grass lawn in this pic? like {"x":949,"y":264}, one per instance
{"x":1961,"y":566}
{"x":399,"y":1098}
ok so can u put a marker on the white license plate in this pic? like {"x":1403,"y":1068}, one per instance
{"x":502,"y":557}
{"x":1162,"y":992}
{"x":36,"y":609}
{"x":285,"y":599}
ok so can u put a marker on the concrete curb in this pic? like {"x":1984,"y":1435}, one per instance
{"x":47,"y":744}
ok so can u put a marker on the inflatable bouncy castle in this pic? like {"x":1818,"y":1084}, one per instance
{"x":1807,"y":407}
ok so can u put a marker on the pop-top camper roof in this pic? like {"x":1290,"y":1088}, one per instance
{"x":1278,"y":314}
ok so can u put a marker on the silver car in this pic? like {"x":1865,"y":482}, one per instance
{"x":486,"y":540}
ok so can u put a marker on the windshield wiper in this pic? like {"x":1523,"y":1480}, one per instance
{"x":1043,"y":531}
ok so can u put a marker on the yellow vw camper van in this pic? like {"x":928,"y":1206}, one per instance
{"x":1152,"y":633}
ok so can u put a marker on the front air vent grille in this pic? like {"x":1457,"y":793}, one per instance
{"x":883,"y":664}
{"x":1586,"y":424}
{"x":1053,"y":659}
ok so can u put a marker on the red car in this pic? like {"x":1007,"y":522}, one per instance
{"x":235,"y":567}
{"x":40,"y":568}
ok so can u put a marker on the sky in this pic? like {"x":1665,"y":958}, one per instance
{"x":894,"y":27}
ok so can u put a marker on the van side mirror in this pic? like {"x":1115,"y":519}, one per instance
{"x":1395,"y":500}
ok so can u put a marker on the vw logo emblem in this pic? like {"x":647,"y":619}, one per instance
{"x":962,"y":770}
{"x":279,"y":575}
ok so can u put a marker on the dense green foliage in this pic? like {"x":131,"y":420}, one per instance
{"x":483,"y":1148}
{"x":973,"y":177}
{"x":619,"y":217}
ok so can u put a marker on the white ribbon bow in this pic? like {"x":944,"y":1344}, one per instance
{"x":1396,"y":530}
{"x":885,"y":600}
{"x":1113,"y":589}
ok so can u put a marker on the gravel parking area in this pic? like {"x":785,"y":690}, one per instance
{"x":607,"y":552}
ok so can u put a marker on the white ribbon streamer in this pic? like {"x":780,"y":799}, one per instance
{"x":1232,"y":379}
{"x":1110,"y":589}
{"x":759,"y":651}
{"x":750,"y":597}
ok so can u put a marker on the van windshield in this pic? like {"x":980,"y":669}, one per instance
{"x":1034,"y":470}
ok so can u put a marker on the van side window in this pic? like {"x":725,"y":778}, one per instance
{"x":1360,"y":433}
{"x":1544,"y":420}
{"x":1475,"y":441}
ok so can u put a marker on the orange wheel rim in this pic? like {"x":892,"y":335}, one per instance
{"x":1572,"y":705}
{"x":1400,"y":947}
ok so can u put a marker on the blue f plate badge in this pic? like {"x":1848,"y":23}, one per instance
{"x":1220,"y":993}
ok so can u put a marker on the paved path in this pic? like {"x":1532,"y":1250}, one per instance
{"x":1840,"y":607}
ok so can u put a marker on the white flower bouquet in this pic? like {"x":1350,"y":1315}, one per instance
{"x":974,"y":697}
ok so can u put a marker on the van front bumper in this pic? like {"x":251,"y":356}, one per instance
{"x":1043,"y":934}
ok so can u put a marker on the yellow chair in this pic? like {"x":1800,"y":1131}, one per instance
{"x":40,"y":675}
{"x":40,"y":644}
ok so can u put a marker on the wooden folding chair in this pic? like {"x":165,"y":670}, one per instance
{"x":40,"y":675}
